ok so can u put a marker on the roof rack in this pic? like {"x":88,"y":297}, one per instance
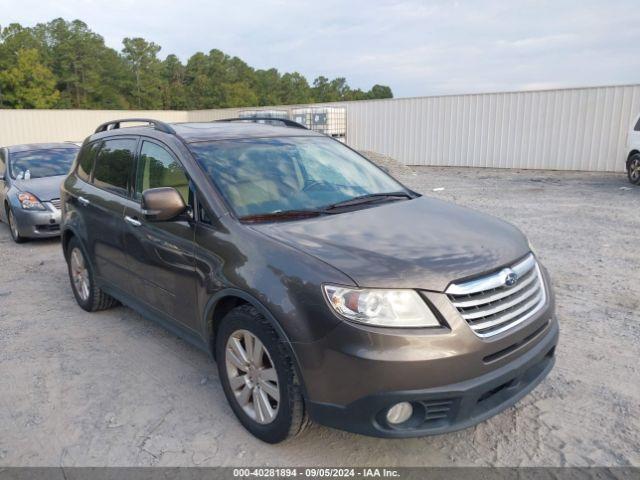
{"x":286,"y":122}
{"x":157,"y":124}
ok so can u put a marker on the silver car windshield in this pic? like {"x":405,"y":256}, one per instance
{"x":261,"y":176}
{"x":42,"y":163}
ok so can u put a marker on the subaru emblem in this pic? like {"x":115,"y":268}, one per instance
{"x":510,"y":277}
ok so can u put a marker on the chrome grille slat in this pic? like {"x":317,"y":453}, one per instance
{"x":481,"y":299}
{"x":493,"y":308}
{"x":504,"y":319}
{"x":56,"y":203}
{"x":490,"y":307}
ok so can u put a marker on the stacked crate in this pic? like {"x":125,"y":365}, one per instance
{"x":331,"y":121}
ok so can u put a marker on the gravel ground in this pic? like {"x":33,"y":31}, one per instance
{"x":112,"y":388}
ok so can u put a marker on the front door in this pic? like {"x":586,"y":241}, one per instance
{"x":161,"y":254}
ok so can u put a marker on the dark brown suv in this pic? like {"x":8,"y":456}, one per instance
{"x":323,"y":287}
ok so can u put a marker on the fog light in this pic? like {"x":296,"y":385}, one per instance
{"x":400,"y":412}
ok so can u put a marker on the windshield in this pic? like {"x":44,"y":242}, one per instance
{"x":261,"y":176}
{"x":42,"y":163}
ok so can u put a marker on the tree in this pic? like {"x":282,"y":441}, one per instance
{"x":267,"y":85}
{"x":142,"y":57}
{"x":174,"y":93}
{"x":88,"y":74}
{"x":29,"y":84}
{"x":380,"y":91}
{"x":293,"y":88}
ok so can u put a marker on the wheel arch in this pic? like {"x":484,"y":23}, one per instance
{"x":65,"y":238}
{"x":631,"y":154}
{"x":228,"y":299}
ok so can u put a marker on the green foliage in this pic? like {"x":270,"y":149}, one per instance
{"x":29,"y":84}
{"x":62,"y":64}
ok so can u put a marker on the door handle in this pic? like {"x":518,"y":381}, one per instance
{"x":83,"y":201}
{"x":132,"y":221}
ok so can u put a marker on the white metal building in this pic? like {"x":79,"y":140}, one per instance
{"x":563,"y":129}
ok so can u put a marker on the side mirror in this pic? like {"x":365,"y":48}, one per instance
{"x":162,"y":204}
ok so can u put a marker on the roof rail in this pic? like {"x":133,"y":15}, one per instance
{"x":157,"y":124}
{"x":285,"y":121}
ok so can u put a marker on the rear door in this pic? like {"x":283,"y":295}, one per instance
{"x":161,"y":254}
{"x":101,"y":203}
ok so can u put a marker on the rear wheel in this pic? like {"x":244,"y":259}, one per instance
{"x":633,"y":169}
{"x":257,"y":376}
{"x":13,"y":227}
{"x":89,"y":296}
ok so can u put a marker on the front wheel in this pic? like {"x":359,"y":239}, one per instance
{"x":13,"y":227}
{"x":633,"y":169}
{"x":257,"y":376}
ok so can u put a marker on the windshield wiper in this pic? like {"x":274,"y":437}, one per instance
{"x":282,"y":215}
{"x":370,"y":197}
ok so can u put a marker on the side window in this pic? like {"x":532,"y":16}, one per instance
{"x":159,"y":168}
{"x":637,"y":127}
{"x":114,"y":164}
{"x":85,"y":160}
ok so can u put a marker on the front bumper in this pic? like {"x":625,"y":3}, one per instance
{"x":38,"y":223}
{"x":447,"y":408}
{"x":452,"y":377}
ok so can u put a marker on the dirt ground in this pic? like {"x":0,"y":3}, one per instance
{"x":112,"y":388}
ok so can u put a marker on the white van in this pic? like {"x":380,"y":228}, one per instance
{"x":633,"y":159}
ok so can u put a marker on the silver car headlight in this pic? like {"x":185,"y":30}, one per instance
{"x":379,"y":307}
{"x":28,"y":201}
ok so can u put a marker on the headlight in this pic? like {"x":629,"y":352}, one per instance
{"x":29,"y":201}
{"x":385,"y":308}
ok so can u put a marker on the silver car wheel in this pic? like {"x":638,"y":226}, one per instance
{"x":79,"y":274}
{"x":634,"y":170}
{"x":13,"y":225}
{"x":252,"y":376}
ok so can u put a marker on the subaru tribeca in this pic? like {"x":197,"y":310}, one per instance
{"x":323,"y":288}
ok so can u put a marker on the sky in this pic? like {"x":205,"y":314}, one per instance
{"x":416,"y":47}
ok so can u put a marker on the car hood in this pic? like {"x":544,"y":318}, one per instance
{"x":422,"y":243}
{"x":45,"y":188}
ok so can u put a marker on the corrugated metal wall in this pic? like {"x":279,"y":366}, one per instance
{"x":34,"y":126}
{"x":567,"y":129}
{"x":572,"y":129}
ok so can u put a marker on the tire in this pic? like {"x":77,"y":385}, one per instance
{"x":13,"y":227}
{"x":633,"y":169}
{"x":89,"y":296}
{"x":288,"y":418}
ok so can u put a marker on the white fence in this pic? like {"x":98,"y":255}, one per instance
{"x":566,"y":129}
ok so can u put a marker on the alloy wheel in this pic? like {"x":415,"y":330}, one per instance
{"x":252,"y":376}
{"x":79,"y":274}
{"x":634,"y":170}
{"x":13,"y":225}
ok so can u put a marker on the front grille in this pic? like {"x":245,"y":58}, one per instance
{"x":491,"y":307}
{"x":56,"y":203}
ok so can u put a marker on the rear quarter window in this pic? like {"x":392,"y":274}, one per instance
{"x":86,"y":157}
